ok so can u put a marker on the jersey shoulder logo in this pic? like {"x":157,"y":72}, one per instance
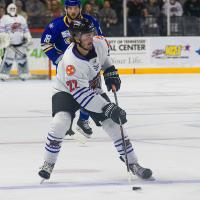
{"x":70,"y":70}
{"x":51,"y":25}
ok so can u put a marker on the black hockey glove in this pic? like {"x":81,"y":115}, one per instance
{"x":111,"y":77}
{"x":114,"y":112}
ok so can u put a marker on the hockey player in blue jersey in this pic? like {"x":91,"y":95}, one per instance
{"x":55,"y":40}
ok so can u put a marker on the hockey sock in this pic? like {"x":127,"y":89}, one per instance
{"x":83,"y":115}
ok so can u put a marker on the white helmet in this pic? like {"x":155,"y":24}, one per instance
{"x":12,"y":9}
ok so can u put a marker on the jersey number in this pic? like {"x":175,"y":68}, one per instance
{"x":72,"y":85}
{"x":47,"y":38}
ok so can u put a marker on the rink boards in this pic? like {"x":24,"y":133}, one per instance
{"x":136,"y":55}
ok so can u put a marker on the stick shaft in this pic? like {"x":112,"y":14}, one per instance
{"x":122,"y":131}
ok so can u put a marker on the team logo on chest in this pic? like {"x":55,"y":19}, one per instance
{"x":95,"y":64}
{"x":15,"y":27}
{"x":70,"y":70}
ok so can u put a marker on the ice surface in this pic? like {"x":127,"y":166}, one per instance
{"x":163,"y":124}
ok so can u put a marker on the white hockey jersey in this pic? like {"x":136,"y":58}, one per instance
{"x":80,"y":76}
{"x":16,"y":27}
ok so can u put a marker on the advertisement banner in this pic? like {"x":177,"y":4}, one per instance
{"x":137,"y":55}
{"x":129,"y":52}
{"x":175,"y":52}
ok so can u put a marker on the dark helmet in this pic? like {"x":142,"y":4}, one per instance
{"x":79,"y":27}
{"x":72,"y":3}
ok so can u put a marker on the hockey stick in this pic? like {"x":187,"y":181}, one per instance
{"x":122,"y":134}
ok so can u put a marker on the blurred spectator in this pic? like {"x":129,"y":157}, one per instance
{"x":88,"y":9}
{"x":54,"y":8}
{"x":2,"y":3}
{"x":2,"y":9}
{"x":108,"y":18}
{"x":95,"y":5}
{"x":137,"y":11}
{"x":20,"y":10}
{"x":153,"y":8}
{"x":97,"y":2}
{"x":192,"y":8}
{"x":35,"y":8}
{"x":152,"y":21}
{"x":37,"y":12}
{"x":175,"y":12}
{"x":175,"y":8}
{"x":117,"y":5}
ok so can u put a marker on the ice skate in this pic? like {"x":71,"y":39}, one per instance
{"x":4,"y":77}
{"x":46,"y":170}
{"x":84,"y":128}
{"x":136,"y":169}
{"x":24,"y":76}
{"x":139,"y":171}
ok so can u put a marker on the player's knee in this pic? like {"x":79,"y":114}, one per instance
{"x":112,"y":129}
{"x":61,"y":124}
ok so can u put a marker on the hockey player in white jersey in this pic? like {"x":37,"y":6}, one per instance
{"x":15,"y":26}
{"x":78,"y":85}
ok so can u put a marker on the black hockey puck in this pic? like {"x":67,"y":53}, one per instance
{"x":136,"y":188}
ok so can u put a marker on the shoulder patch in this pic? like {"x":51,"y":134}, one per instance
{"x":51,"y":25}
{"x":70,"y":70}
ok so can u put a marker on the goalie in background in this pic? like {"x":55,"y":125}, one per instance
{"x":2,"y":12}
{"x":15,"y":38}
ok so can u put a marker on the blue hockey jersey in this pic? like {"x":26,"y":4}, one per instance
{"x":56,"y":37}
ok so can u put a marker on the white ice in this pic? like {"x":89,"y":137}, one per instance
{"x":163,"y":124}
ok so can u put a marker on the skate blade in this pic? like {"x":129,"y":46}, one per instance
{"x":151,"y":179}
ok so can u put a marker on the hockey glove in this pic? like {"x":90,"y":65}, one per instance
{"x":114,"y":112}
{"x":111,"y":77}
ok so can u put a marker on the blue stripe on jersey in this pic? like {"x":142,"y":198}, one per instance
{"x":86,"y":98}
{"x":78,"y":91}
{"x":82,"y":93}
{"x":88,"y":101}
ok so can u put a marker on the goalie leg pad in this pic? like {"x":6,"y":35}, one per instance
{"x":7,"y":61}
{"x":6,"y":67}
{"x":23,"y":67}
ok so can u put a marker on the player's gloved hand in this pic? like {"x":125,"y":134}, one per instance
{"x":114,"y":112}
{"x":27,"y":39}
{"x":111,"y":77}
{"x":4,"y":40}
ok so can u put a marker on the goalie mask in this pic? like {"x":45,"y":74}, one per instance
{"x":12,"y":9}
{"x":77,"y":28}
